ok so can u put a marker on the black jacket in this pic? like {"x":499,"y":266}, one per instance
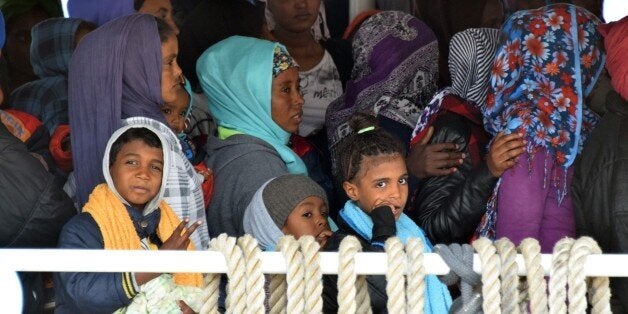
{"x":449,"y":208}
{"x":33,"y":208}
{"x":600,"y":187}
{"x":376,"y":284}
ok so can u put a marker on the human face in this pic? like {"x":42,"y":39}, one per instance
{"x":295,"y":16}
{"x":175,"y":112}
{"x":137,"y":172}
{"x":309,"y":217}
{"x":171,"y":74}
{"x":161,"y":9}
{"x":286,"y":100}
{"x":381,"y":180}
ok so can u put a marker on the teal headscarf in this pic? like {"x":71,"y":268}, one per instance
{"x":236,"y":75}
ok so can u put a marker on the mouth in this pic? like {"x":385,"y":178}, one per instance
{"x":303,"y":16}
{"x":140,"y":189}
{"x":298,"y":117}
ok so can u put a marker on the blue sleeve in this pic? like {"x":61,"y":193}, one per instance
{"x":90,"y":292}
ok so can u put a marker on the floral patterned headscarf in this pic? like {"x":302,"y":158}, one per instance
{"x":548,"y":63}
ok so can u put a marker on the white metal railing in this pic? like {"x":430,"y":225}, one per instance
{"x":54,"y":260}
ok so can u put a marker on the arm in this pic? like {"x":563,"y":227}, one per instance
{"x":91,"y":292}
{"x":449,"y":208}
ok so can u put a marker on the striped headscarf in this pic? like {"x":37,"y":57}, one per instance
{"x":547,"y":64}
{"x":471,"y":54}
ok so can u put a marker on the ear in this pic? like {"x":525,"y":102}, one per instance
{"x":351,"y":190}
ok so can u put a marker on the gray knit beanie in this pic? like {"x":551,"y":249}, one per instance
{"x":284,"y":193}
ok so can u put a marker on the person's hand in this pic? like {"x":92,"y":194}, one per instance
{"x":503,"y":152}
{"x":429,"y":160}
{"x":180,"y":238}
{"x":322,"y":237}
{"x":185,"y":309}
{"x":384,"y":225}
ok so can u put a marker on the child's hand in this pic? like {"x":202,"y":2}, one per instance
{"x":323,"y":237}
{"x":179,"y":241}
{"x":503,"y":152}
{"x":185,"y":309}
{"x":429,"y":160}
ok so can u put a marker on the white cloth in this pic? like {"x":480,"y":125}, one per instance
{"x":320,"y":86}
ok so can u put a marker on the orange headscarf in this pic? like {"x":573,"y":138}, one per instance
{"x":616,"y":43}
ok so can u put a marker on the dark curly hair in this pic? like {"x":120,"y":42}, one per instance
{"x":358,"y":145}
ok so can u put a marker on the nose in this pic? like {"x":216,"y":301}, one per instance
{"x":395,"y":191}
{"x":142,"y":173}
{"x":297,"y":99}
{"x":301,"y":4}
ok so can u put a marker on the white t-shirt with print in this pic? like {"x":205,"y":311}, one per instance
{"x":320,"y":86}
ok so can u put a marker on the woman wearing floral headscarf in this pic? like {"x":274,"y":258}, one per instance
{"x":394,"y":76}
{"x":548,"y":63}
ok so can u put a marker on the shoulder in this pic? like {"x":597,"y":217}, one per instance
{"x":81,"y":232}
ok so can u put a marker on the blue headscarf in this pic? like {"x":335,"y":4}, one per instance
{"x":236,"y":75}
{"x":115,"y":73}
{"x":99,"y":11}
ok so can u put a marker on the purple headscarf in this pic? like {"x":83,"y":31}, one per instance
{"x":115,"y":73}
{"x":394,"y":76}
{"x":99,"y":11}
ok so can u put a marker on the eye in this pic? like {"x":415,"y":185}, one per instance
{"x":155,"y":168}
{"x":324,"y":214}
{"x":307,"y":214}
{"x":285,"y":89}
{"x":380,"y":184}
{"x":166,"y":111}
{"x":183,"y":113}
{"x":131,"y":162}
{"x":403,"y":181}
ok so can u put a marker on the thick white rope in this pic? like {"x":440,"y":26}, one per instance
{"x":415,"y":290}
{"x":490,"y":275}
{"x":395,"y":279}
{"x":558,"y":276}
{"x":349,"y":246}
{"x":236,"y":288}
{"x":599,"y":295}
{"x":362,"y":298}
{"x":278,"y":299}
{"x":531,"y":251}
{"x":289,"y":246}
{"x":313,"y":275}
{"x":210,"y":294}
{"x":509,"y":275}
{"x":255,"y":279}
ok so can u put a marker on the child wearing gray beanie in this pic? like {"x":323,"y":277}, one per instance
{"x":290,"y":204}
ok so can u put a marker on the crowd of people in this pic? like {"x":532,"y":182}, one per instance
{"x":158,"y":125}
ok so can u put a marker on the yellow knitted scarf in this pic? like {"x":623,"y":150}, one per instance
{"x":119,"y":233}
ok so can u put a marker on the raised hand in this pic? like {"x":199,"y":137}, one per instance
{"x":503,"y":152}
{"x":429,"y":160}
{"x":180,"y":238}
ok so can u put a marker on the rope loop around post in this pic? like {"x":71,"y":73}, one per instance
{"x":289,"y":246}
{"x":531,"y":251}
{"x":395,"y":279}
{"x":490,"y":275}
{"x":255,"y":279}
{"x":349,"y":246}
{"x":415,"y":290}
{"x":599,"y":294}
{"x":235,"y":272}
{"x":313,"y":274}
{"x":509,"y":275}
{"x":558,"y":276}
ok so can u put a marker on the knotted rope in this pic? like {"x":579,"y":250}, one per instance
{"x":490,"y":275}
{"x":395,"y":279}
{"x":254,"y":277}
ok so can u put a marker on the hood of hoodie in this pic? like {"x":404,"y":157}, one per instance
{"x":169,"y":144}
{"x":52,"y":46}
